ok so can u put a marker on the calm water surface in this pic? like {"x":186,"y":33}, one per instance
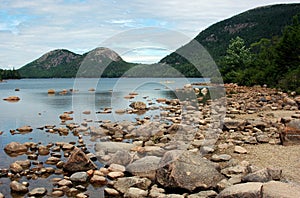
{"x":36,"y":108}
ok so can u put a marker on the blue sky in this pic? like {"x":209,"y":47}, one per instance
{"x":139,"y":30}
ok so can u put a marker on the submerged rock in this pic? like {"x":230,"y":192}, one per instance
{"x":18,"y":187}
{"x":15,"y":148}
{"x":138,"y":105}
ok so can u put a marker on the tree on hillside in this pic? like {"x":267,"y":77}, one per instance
{"x":288,"y":57}
{"x":237,"y":59}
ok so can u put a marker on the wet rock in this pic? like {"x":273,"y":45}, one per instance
{"x":79,"y":177}
{"x":57,"y":193}
{"x":18,"y":187}
{"x":24,"y":129}
{"x":24,"y":163}
{"x":246,"y":190}
{"x":98,"y":180}
{"x":36,"y":192}
{"x":12,"y":99}
{"x":78,"y":161}
{"x":65,"y":117}
{"x":15,"y":148}
{"x":51,"y":91}
{"x":43,"y":150}
{"x":15,"y":167}
{"x":65,"y":182}
{"x":240,"y":150}
{"x":52,"y":160}
{"x":68,"y":146}
{"x":135,"y":193}
{"x":263,"y":175}
{"x":138,"y":105}
{"x":123,"y":184}
{"x":187,"y":170}
{"x":144,"y":167}
{"x":113,"y":147}
{"x":275,"y":189}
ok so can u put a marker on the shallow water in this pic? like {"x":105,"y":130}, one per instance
{"x":36,"y":108}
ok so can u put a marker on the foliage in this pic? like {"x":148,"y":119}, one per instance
{"x":9,"y":74}
{"x":275,"y":62}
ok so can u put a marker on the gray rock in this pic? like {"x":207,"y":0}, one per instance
{"x":275,"y":189}
{"x":79,"y":177}
{"x":145,"y":167}
{"x":112,"y":147}
{"x":263,"y":175}
{"x":120,"y":157}
{"x":246,"y":190}
{"x":15,"y":148}
{"x":78,"y":161}
{"x":187,"y":170}
{"x":18,"y":187}
{"x":37,"y":192}
{"x":135,"y":193}
{"x":123,"y":184}
{"x":156,"y":192}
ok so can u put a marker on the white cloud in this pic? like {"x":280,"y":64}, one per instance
{"x":30,"y":28}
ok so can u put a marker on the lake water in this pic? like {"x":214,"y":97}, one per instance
{"x":36,"y":108}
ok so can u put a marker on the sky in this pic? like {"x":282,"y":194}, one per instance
{"x":139,"y":30}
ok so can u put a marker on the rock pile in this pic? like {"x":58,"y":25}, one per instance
{"x":189,"y":150}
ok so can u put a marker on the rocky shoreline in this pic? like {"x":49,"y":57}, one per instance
{"x":190,"y":150}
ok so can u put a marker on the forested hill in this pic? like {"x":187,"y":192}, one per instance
{"x":252,"y":25}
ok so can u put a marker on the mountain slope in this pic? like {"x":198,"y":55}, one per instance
{"x":62,"y":63}
{"x":252,"y":25}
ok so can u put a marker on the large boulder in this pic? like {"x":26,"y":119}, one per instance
{"x":144,"y":167}
{"x":15,"y":148}
{"x":78,"y":161}
{"x":246,"y":190}
{"x":187,"y":170}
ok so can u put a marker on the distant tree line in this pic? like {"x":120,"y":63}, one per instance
{"x":9,"y":74}
{"x":274,"y":62}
